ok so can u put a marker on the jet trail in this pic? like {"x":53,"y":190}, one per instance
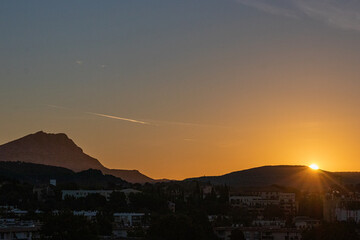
{"x":102,"y":115}
{"x":148,"y":122}
{"x":118,"y":118}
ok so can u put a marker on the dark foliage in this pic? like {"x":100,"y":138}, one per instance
{"x":311,"y":205}
{"x":66,"y":226}
{"x":333,"y":231}
{"x":181,"y":227}
{"x":237,"y":235}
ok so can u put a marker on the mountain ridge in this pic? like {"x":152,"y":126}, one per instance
{"x":57,"y":149}
{"x":296,"y":176}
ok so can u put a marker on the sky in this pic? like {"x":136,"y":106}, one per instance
{"x":180,"y":89}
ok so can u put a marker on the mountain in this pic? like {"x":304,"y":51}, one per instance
{"x":59,"y":150}
{"x":300,"y":177}
{"x":41,"y":174}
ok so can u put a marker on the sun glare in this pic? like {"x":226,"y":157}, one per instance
{"x":314,"y":166}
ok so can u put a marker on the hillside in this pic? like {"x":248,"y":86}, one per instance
{"x":59,"y":150}
{"x":300,"y":177}
{"x":40,"y":174}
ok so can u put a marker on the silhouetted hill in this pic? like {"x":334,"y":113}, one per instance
{"x":348,"y":177}
{"x":40,"y":174}
{"x":300,"y":177}
{"x":59,"y":150}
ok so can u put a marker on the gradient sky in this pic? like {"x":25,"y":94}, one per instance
{"x":180,"y":89}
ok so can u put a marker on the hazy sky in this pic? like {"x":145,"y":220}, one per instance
{"x":180,"y":89}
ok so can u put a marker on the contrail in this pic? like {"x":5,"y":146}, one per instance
{"x":148,"y":122}
{"x":103,"y":115}
{"x":118,"y":118}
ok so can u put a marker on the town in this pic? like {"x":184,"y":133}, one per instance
{"x":175,"y":210}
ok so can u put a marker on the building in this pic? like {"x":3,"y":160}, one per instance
{"x":288,"y":203}
{"x":85,"y":193}
{"x":18,"y":212}
{"x":104,"y":193}
{"x":342,"y":208}
{"x":304,"y":223}
{"x":260,"y":233}
{"x":347,"y":215}
{"x":130,"y":219}
{"x":269,"y":223}
{"x":329,"y":206}
{"x":53,"y":182}
{"x":11,"y":229}
{"x":126,"y":222}
{"x":258,"y":201}
{"x":244,"y":201}
{"x":89,"y":215}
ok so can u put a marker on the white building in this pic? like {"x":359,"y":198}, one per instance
{"x":53,"y":182}
{"x":125,"y":222}
{"x":343,"y":214}
{"x":85,"y":193}
{"x":129,"y":219}
{"x":105,"y":193}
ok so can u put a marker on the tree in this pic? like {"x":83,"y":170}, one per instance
{"x":237,"y":235}
{"x":180,"y":227}
{"x":146,"y":202}
{"x":273,"y":211}
{"x":104,"y":223}
{"x":333,"y":231}
{"x":312,"y":206}
{"x":117,"y":202}
{"x":66,"y":226}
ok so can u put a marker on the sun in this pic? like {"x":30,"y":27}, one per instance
{"x":314,"y":166}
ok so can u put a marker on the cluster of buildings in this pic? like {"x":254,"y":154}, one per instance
{"x":260,"y":233}
{"x":11,"y":229}
{"x":127,"y":222}
{"x":336,"y":208}
{"x":104,"y":193}
{"x":341,"y":207}
{"x":256,"y":202}
{"x":287,"y":227}
{"x":15,"y":229}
